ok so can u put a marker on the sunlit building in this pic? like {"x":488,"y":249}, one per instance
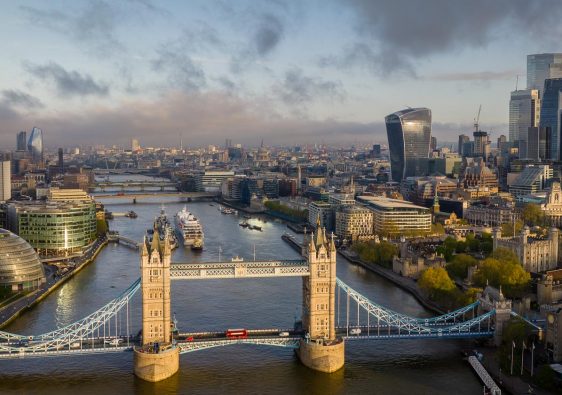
{"x":409,"y":134}
{"x":524,"y":113}
{"x":20,"y":268}
{"x":35,"y":145}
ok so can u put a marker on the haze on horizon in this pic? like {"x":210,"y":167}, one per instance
{"x":101,"y":72}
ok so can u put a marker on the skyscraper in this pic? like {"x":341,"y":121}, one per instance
{"x":551,"y":110}
{"x":35,"y":145}
{"x":61,"y":161}
{"x":433,"y":143}
{"x":463,"y":139}
{"x":22,"y":141}
{"x":5,"y":180}
{"x":481,"y":144}
{"x":541,"y":67}
{"x":409,"y":133}
{"x":524,"y":113}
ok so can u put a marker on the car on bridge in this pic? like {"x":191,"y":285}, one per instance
{"x":284,"y":334}
{"x":114,"y":342}
{"x":355,"y":331}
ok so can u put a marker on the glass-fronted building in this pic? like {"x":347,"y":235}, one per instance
{"x":35,"y":145}
{"x":54,"y":228}
{"x":409,"y":135}
{"x":551,"y":113}
{"x":541,"y":67}
{"x":524,"y":113}
{"x":20,"y":268}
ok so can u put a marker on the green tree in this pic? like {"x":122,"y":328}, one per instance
{"x":458,"y":267}
{"x":379,"y":253}
{"x":533,"y":215}
{"x":437,"y":229}
{"x":503,"y":270}
{"x":507,"y":228}
{"x":436,"y":282}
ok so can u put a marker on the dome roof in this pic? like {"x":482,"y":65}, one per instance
{"x":19,"y":263}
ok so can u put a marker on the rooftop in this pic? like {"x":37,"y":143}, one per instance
{"x":386,"y":203}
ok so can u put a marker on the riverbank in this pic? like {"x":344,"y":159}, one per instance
{"x":405,"y":283}
{"x":18,"y":307}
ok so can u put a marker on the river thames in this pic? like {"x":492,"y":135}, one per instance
{"x":383,"y":367}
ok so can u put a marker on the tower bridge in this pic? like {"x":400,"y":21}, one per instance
{"x":332,"y":314}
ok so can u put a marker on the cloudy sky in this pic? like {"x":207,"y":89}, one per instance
{"x":101,"y":72}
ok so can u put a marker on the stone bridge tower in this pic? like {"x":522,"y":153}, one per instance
{"x":321,"y":349}
{"x":157,"y":358}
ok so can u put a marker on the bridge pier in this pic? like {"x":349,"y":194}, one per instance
{"x":325,"y":357}
{"x":155,"y":367}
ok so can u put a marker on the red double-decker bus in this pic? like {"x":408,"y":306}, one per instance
{"x":237,"y":333}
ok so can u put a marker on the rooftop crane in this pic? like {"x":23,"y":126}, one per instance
{"x":477,"y":119}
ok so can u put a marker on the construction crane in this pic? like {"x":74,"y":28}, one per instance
{"x":477,"y":119}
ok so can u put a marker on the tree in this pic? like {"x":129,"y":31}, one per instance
{"x":458,"y":267}
{"x":533,"y":215}
{"x":503,"y":270}
{"x":436,"y":282}
{"x":507,"y":228}
{"x":437,"y":229}
{"x":379,"y":253}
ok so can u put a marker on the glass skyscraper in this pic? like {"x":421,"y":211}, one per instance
{"x":35,"y":145}
{"x":541,"y":67}
{"x":22,"y":141}
{"x":551,"y":112}
{"x":524,"y":113}
{"x":409,"y":135}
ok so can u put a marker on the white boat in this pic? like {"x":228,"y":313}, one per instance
{"x":189,"y":228}
{"x":227,"y":210}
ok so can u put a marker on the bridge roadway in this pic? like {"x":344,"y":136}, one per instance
{"x":243,"y":269}
{"x":155,"y":194}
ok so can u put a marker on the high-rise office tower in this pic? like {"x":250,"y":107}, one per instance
{"x":481,"y":144}
{"x":5,"y":180}
{"x":463,"y":139}
{"x":376,"y":150}
{"x":61,"y":161}
{"x":541,"y":67}
{"x":35,"y":145}
{"x":22,"y":141}
{"x":409,"y":134}
{"x":433,"y":143}
{"x":524,"y":113}
{"x":551,"y":111}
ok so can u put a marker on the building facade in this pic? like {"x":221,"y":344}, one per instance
{"x":541,"y":67}
{"x":5,"y":180}
{"x":35,"y":145}
{"x":524,"y":113}
{"x":551,"y":108}
{"x":323,"y":212}
{"x":535,"y":254}
{"x":54,"y":228}
{"x":552,"y":207}
{"x":533,"y":179}
{"x":409,"y":135}
{"x":393,"y":217}
{"x":354,"y":223}
{"x":20,"y":267}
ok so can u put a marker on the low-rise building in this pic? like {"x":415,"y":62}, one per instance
{"x":537,"y":255}
{"x":354,"y":223}
{"x":57,"y":227}
{"x":533,"y":179}
{"x":552,"y":208}
{"x":323,"y":212}
{"x":394,"y":217}
{"x":491,"y":214}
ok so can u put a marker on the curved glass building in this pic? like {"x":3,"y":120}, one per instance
{"x":551,"y":116}
{"x":20,"y":268}
{"x":409,"y":135}
{"x":35,"y":145}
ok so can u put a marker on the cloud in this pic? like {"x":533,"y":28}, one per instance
{"x":183,"y":72}
{"x":393,"y":35}
{"x":203,"y":119}
{"x":297,"y":89}
{"x":476,"y":76}
{"x":67,"y":83}
{"x":268,"y":34}
{"x":94,"y":24}
{"x":17,"y":98}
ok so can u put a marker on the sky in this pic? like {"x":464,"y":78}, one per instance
{"x":289,"y":72}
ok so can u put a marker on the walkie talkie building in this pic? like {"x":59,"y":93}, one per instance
{"x":409,"y":135}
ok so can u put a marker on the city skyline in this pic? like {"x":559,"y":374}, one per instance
{"x":284,"y":72}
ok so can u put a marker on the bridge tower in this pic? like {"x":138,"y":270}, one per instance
{"x":157,"y":358}
{"x":321,"y":350}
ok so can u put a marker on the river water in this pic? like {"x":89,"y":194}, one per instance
{"x":383,"y":367}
